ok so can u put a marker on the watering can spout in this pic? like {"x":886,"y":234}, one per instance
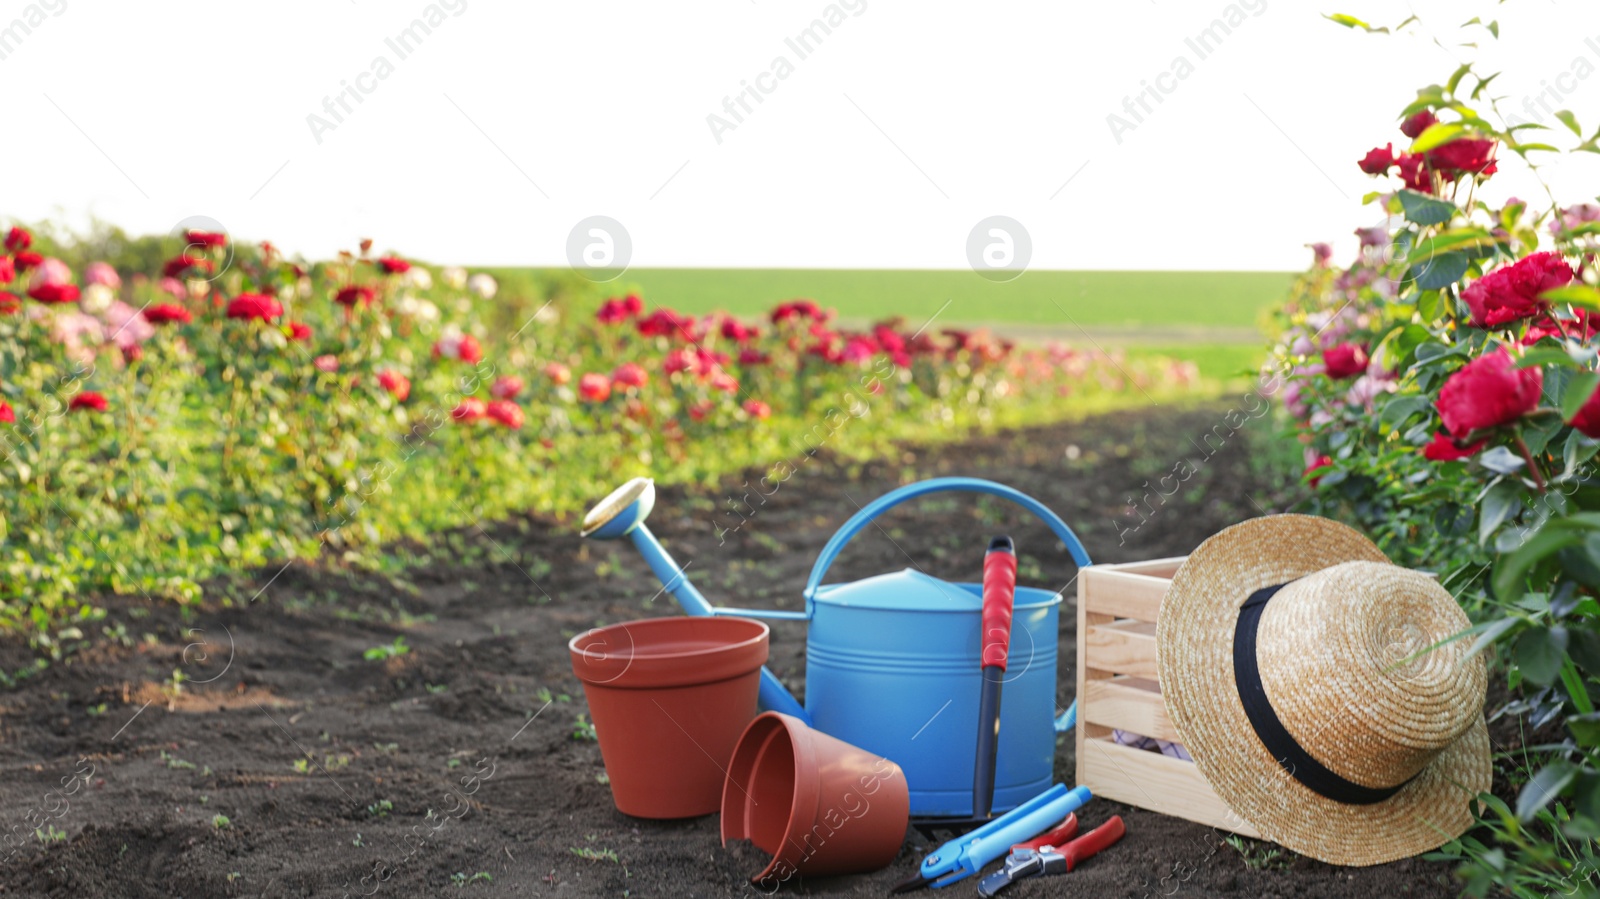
{"x":622,"y":514}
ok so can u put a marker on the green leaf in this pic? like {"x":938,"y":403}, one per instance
{"x":1455,"y":77}
{"x":1570,"y":120}
{"x":1577,"y":294}
{"x":1353,"y":22}
{"x":1544,"y":787}
{"x":1397,"y":410}
{"x":1437,"y":135}
{"x":1584,"y":648}
{"x":1454,"y":238}
{"x":1439,"y":272}
{"x":1579,"y":389}
{"x":1545,"y":355}
{"x":1423,"y":209}
{"x":1539,"y":652}
{"x":1499,"y":503}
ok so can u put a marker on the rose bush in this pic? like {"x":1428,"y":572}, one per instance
{"x":1464,"y":437}
{"x":225,"y":407}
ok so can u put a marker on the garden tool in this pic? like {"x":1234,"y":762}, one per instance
{"x":999,"y":592}
{"x":966,"y":855}
{"x":1047,"y":859}
{"x":890,"y":658}
{"x":1060,"y":835}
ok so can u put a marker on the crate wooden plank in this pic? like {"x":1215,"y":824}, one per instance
{"x":1162,"y":568}
{"x":1130,"y":704}
{"x":1123,"y":594}
{"x":1124,"y":647}
{"x":1151,"y":780}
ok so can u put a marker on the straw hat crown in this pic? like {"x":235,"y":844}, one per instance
{"x":1351,"y":659}
{"x":1317,"y":688}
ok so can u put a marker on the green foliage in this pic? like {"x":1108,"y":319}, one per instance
{"x":231,"y":445}
{"x":1512,"y":527}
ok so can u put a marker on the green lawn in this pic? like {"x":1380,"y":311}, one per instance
{"x":1039,"y":298}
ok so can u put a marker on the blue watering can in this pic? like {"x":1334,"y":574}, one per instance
{"x":893,"y":661}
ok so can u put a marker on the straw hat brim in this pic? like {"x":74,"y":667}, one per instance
{"x":1195,"y":646}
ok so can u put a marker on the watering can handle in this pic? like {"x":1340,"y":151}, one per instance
{"x":939,"y":485}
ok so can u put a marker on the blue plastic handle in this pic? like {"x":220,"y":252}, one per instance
{"x":939,"y":485}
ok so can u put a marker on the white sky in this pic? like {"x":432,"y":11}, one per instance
{"x":908,"y":124}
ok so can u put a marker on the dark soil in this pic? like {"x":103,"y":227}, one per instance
{"x":326,"y":764}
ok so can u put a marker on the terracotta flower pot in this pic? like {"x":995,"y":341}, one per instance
{"x":669,"y":697}
{"x":819,"y":805}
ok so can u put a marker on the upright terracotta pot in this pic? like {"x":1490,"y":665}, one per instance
{"x":670,"y":697}
{"x":819,"y":805}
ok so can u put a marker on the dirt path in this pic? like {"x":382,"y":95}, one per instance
{"x":325,"y":765}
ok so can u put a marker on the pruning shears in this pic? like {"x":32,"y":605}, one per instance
{"x":1041,"y":859}
{"x":966,"y":855}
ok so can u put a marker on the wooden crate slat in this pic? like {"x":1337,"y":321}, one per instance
{"x":1128,"y":648}
{"x":1151,"y":780}
{"x":1161,"y":568}
{"x":1128,"y":704}
{"x":1122,"y":594}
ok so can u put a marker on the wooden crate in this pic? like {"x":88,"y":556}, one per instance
{"x":1119,"y":688}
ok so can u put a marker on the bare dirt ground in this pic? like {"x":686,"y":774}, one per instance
{"x":290,"y":764}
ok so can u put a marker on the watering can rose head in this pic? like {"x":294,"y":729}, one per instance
{"x":621,"y":510}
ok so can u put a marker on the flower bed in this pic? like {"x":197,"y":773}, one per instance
{"x":233,"y":407}
{"x":1443,"y":387}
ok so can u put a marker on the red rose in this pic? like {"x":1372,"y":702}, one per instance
{"x":393,"y":265}
{"x":753,"y":357}
{"x":167,"y":313}
{"x":506,"y":387}
{"x":212,"y":240}
{"x":1470,"y":155}
{"x":796,"y":309}
{"x":1321,"y":463}
{"x":724,"y":382}
{"x":757,"y":409}
{"x":355,"y":293}
{"x":1444,"y":449}
{"x":299,"y":331}
{"x":1512,"y":292}
{"x":329,"y":364}
{"x":10,"y":303}
{"x":505,"y":412}
{"x":26,"y":259}
{"x":1587,"y":419}
{"x":1417,"y":123}
{"x":736,"y":330}
{"x":54,"y":293}
{"x":702,"y":410}
{"x":88,"y":400}
{"x":632,"y":304}
{"x":629,"y":374}
{"x":1487,"y":393}
{"x":1415,"y":174}
{"x":1378,"y":160}
{"x":181,"y":263}
{"x":1346,"y":360}
{"x":8,"y":270}
{"x":7,"y":415}
{"x":17,"y":240}
{"x":468,"y":350}
{"x":398,"y":385}
{"x":594,"y":387}
{"x":558,"y":374}
{"x":1584,"y":326}
{"x":255,"y":305}
{"x":470,"y":409}
{"x":665,"y":323}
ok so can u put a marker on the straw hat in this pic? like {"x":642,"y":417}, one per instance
{"x":1383,"y":742}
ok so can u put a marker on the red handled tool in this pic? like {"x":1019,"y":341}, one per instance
{"x":999,"y":593}
{"x":1042,"y":861}
{"x":1060,"y":836}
